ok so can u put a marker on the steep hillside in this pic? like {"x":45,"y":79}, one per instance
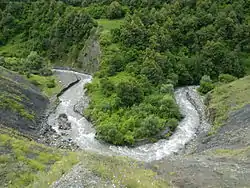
{"x":221,"y":157}
{"x":24,"y":163}
{"x":51,"y":28}
{"x":22,"y":104}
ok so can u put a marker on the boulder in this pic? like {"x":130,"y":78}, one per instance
{"x":63,"y":122}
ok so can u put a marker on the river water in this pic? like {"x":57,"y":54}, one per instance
{"x":83,"y":133}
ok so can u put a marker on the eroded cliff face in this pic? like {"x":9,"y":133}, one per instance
{"x":22,"y":105}
{"x":89,"y":57}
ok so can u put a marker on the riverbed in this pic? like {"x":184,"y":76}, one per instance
{"x":82,"y":131}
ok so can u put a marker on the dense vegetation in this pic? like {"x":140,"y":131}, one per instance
{"x":156,"y":49}
{"x":52,"y":29}
{"x":34,"y":35}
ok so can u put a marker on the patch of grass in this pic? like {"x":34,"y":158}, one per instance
{"x":8,"y":102}
{"x":24,"y":162}
{"x":227,"y":98}
{"x":108,"y":25}
{"x":15,"y":48}
{"x":123,"y":171}
{"x":45,"y":83}
{"x":232,"y":152}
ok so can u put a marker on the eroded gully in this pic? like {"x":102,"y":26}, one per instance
{"x":83,"y":133}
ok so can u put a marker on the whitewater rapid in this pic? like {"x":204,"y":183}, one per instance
{"x":83,"y":133}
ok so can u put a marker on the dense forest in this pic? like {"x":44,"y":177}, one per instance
{"x":51,"y":29}
{"x":161,"y":45}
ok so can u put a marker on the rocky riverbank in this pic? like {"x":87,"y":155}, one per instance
{"x":220,"y":159}
{"x":49,"y":135}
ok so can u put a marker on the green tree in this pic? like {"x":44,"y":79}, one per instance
{"x":129,"y":93}
{"x":152,"y":71}
{"x":206,"y":84}
{"x":151,"y":125}
{"x":34,"y":62}
{"x":115,"y":11}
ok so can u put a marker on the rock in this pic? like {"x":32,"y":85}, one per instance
{"x":63,"y":122}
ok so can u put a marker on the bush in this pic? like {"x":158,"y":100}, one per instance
{"x":168,"y":107}
{"x":226,"y":78}
{"x":206,"y":84}
{"x":51,"y":83}
{"x":115,"y":11}
{"x":46,"y":72}
{"x":35,"y":82}
{"x":106,"y":86}
{"x":167,"y":88}
{"x":151,"y":125}
{"x":172,"y":124}
{"x":115,"y":65}
{"x":2,"y":61}
{"x":96,"y":11}
{"x":129,"y":93}
{"x":34,"y":62}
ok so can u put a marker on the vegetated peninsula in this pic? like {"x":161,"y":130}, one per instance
{"x":160,"y":46}
{"x":139,"y":53}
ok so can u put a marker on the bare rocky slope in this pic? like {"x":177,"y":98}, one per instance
{"x":22,"y":105}
{"x":220,"y":160}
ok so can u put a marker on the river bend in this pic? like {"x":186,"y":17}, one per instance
{"x":83,"y":133}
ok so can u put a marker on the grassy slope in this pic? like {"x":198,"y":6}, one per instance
{"x":22,"y":160}
{"x":43,"y":81}
{"x":24,"y":163}
{"x":109,"y":24}
{"x":227,"y":98}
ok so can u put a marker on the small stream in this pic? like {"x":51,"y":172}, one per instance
{"x":83,"y":133}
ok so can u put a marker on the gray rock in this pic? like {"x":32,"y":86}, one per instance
{"x":63,"y":122}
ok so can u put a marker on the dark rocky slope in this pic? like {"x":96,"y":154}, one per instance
{"x":221,"y":160}
{"x":22,"y":105}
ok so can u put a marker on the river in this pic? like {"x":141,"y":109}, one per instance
{"x":83,"y":133}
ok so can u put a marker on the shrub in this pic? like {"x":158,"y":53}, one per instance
{"x":2,"y":61}
{"x":151,"y":125}
{"x":51,"y":83}
{"x":167,"y":88}
{"x":129,"y":93}
{"x":106,"y":86}
{"x":206,"y":84}
{"x":46,"y":72}
{"x":226,"y":78}
{"x":35,"y":82}
{"x":115,"y":11}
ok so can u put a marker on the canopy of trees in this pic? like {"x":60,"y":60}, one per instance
{"x":53,"y":29}
{"x":162,"y":45}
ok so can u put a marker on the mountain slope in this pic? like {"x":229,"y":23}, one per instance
{"x":221,"y":157}
{"x":22,"y":104}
